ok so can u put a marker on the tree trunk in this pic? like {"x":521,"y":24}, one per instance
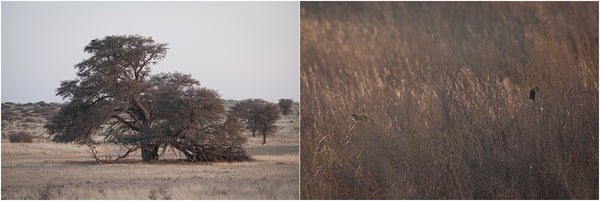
{"x":150,"y":153}
{"x":264,"y":139}
{"x":253,"y":133}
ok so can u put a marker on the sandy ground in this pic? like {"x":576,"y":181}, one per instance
{"x":65,"y":171}
{"x":45,"y":170}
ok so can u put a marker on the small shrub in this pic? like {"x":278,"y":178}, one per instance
{"x":27,"y":125}
{"x":20,"y":137}
{"x":42,"y":104}
{"x":159,"y":191}
{"x":22,"y":110}
{"x":9,"y":115}
{"x":49,"y":191}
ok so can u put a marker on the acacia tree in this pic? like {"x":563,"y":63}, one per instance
{"x":115,"y":96}
{"x":286,"y":106}
{"x":258,"y":115}
{"x":243,"y":110}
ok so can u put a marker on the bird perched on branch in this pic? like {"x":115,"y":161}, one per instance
{"x":533,"y":92}
{"x":355,"y":119}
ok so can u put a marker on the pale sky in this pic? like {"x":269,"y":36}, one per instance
{"x":241,"y":49}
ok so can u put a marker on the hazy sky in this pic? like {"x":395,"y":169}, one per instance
{"x":242,"y":49}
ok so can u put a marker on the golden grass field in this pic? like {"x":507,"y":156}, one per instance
{"x":445,"y":86}
{"x":46,"y":170}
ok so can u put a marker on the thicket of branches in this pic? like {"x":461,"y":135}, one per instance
{"x":445,"y":87}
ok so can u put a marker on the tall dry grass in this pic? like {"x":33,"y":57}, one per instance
{"x":445,"y":86}
{"x":267,"y":190}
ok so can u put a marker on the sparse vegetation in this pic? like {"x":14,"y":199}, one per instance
{"x":65,"y":172}
{"x":446,"y":88}
{"x":48,"y":191}
{"x":8,"y":115}
{"x":28,"y":118}
{"x":27,"y":168}
{"x":159,"y":193}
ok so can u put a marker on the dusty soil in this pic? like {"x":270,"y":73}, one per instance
{"x":31,"y":171}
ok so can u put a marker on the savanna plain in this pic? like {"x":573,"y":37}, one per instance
{"x":46,"y":170}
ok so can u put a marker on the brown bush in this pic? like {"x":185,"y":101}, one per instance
{"x":20,"y":137}
{"x":42,"y":104}
{"x":22,"y":110}
{"x":29,"y":119}
{"x":445,"y":87}
{"x":9,"y":115}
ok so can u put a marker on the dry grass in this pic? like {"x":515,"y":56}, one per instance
{"x":65,"y":171}
{"x":445,"y":88}
{"x":45,"y":170}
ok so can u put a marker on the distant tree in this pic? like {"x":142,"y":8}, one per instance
{"x":42,"y":104}
{"x":258,"y":115}
{"x":243,"y":110}
{"x":285,"y":105}
{"x":115,"y":96}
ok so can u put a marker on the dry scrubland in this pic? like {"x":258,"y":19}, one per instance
{"x":45,"y":170}
{"x":445,"y":87}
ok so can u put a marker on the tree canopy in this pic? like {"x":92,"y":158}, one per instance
{"x":258,"y":115}
{"x":285,"y":105}
{"x":114,"y":96}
